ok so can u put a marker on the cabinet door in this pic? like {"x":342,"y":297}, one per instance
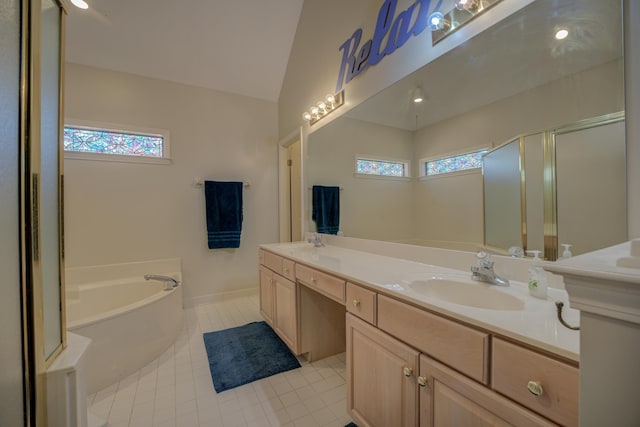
{"x":448,"y":398}
{"x":266,"y":294}
{"x":381,"y":379}
{"x":286,"y":313}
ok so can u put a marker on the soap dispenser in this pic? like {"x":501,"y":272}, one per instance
{"x":567,"y":251}
{"x":537,"y":277}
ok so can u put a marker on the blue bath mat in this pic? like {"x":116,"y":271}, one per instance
{"x":245,"y":354}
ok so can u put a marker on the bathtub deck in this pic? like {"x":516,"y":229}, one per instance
{"x":176,"y":390}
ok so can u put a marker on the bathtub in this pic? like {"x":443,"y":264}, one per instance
{"x":130,"y":322}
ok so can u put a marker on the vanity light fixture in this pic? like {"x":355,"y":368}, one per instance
{"x":437,"y":21}
{"x":443,"y":25}
{"x":470,"y":5}
{"x":562,"y":34}
{"x":81,"y":4}
{"x":324,"y":107}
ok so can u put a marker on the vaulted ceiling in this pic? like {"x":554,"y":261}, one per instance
{"x":235,"y":46}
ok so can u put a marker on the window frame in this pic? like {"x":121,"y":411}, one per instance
{"x":471,"y":150}
{"x":119,"y":128}
{"x":406,"y":165}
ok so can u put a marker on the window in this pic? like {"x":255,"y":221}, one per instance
{"x":110,"y":143}
{"x":455,"y":163}
{"x":386,"y":168}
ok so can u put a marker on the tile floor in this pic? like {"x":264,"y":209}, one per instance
{"x":176,"y":390}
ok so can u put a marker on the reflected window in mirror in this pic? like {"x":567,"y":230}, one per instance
{"x":382,"y":167}
{"x":455,"y":163}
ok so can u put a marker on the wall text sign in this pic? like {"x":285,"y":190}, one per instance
{"x":391,"y":33}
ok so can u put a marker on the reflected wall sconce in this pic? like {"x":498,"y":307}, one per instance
{"x":442,"y":25}
{"x":323,"y":108}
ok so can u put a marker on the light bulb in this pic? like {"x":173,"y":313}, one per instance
{"x":330,"y":99}
{"x":306,"y":116}
{"x":436,"y":21}
{"x":322,"y":106}
{"x":418,"y":95}
{"x":314,"y":110}
{"x":80,"y":4}
{"x":562,"y":34}
{"x":461,"y":4}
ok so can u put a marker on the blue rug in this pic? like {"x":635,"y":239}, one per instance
{"x":241,"y":355}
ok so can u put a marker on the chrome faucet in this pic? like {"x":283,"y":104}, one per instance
{"x":316,"y":239}
{"x":169,"y":282}
{"x":483,"y":271}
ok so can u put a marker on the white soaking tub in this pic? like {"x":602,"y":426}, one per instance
{"x":130,"y":321}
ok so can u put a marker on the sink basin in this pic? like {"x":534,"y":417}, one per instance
{"x":466,"y":292}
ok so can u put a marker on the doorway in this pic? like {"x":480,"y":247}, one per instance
{"x":290,"y":188}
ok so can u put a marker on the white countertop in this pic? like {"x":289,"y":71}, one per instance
{"x":535,"y":325}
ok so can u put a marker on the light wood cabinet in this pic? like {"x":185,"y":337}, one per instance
{"x":408,"y":366}
{"x":517,"y":369}
{"x":326,"y":284}
{"x":448,"y":398}
{"x":381,"y":384}
{"x":266,"y":295}
{"x":362,"y":302}
{"x":459,"y":346}
{"x":286,"y":311}
{"x":279,"y":299}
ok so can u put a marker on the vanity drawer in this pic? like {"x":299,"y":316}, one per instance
{"x":321,"y":282}
{"x":513,"y":367}
{"x":462,"y":348}
{"x":273,"y":262}
{"x":361,"y":302}
{"x":288,"y":269}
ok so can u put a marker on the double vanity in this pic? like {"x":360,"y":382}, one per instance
{"x":425,"y":344}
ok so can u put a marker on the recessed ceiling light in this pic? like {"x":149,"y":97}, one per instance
{"x":562,"y":34}
{"x":80,"y":4}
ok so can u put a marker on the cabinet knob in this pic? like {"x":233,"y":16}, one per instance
{"x":535,"y":388}
{"x":313,"y":279}
{"x":407,"y":371}
{"x":271,"y":281}
{"x":422,"y":381}
{"x":286,"y":270}
{"x":356,"y":303}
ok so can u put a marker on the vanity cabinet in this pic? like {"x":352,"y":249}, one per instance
{"x":543,"y":384}
{"x":447,"y":398}
{"x":408,"y":365}
{"x":381,"y":383}
{"x":279,"y":298}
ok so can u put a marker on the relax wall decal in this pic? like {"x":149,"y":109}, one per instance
{"x":395,"y":30}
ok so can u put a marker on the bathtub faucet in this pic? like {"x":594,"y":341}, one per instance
{"x":169,"y":282}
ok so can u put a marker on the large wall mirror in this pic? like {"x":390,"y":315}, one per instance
{"x":514,"y":82}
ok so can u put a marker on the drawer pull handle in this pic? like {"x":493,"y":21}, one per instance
{"x":356,"y":303}
{"x":286,"y":270}
{"x":407,"y":371}
{"x":313,"y":279}
{"x":271,"y":281}
{"x":423,"y":381}
{"x":535,"y":388}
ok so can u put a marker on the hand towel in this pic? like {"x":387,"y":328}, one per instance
{"x":326,"y":209}
{"x":223,"y":202}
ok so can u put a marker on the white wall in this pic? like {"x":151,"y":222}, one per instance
{"x":370,"y":207}
{"x":452,"y":205}
{"x":122,"y":212}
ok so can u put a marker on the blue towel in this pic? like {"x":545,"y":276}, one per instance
{"x":224,"y":213}
{"x":326,"y":209}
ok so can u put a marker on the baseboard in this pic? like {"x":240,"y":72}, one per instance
{"x":219,"y":296}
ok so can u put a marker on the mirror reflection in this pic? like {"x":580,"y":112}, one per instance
{"x":514,"y":82}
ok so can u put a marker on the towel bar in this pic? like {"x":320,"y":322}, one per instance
{"x":199,"y":182}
